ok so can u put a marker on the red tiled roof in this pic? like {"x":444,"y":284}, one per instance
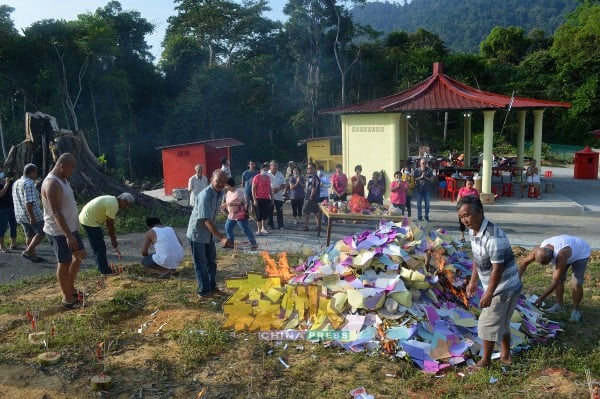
{"x":440,"y":92}
{"x":216,"y":143}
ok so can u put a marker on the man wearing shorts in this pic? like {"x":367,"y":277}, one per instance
{"x":563,"y":252}
{"x":494,"y":265}
{"x":61,"y":224}
{"x":28,"y":212}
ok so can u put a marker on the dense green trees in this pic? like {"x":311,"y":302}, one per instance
{"x":228,"y":71}
{"x":463,"y":24}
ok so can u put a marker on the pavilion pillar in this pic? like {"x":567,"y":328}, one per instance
{"x":488,"y":147}
{"x":538,"y":117}
{"x":521,"y":138}
{"x":403,"y":140}
{"x":347,"y":167}
{"x":467,"y":139}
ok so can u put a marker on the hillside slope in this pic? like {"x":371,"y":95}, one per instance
{"x":463,"y":24}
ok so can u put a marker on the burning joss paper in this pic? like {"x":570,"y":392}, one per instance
{"x":399,"y":290}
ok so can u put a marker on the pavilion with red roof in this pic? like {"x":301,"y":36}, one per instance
{"x":381,"y":124}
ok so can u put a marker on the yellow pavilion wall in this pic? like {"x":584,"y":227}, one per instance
{"x":372,"y":141}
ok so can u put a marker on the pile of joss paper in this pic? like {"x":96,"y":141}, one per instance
{"x":399,"y":290}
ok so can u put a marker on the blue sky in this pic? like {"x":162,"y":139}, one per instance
{"x":156,"y":11}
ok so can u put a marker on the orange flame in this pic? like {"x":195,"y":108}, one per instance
{"x":277,"y":269}
{"x":389,"y":346}
{"x":448,"y":280}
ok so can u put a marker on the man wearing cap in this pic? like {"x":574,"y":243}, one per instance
{"x":100,"y":210}
{"x":563,"y":252}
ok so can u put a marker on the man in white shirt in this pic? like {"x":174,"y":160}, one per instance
{"x":277,"y":188}
{"x":563,"y":252}
{"x":197,"y":183}
{"x":168,"y":250}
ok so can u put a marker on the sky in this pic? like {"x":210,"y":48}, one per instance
{"x":155,"y":11}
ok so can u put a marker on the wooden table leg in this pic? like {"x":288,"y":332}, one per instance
{"x":328,"y":231}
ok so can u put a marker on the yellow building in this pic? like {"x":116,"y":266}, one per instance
{"x":375,"y":132}
{"x":375,"y":142}
{"x":326,"y":151}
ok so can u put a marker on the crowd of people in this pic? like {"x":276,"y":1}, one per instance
{"x":266,"y":189}
{"x":52,"y":213}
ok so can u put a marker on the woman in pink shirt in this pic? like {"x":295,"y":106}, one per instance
{"x":339,"y":184}
{"x":261,"y":192}
{"x":237,"y":213}
{"x":398,"y":189}
{"x":465,"y":192}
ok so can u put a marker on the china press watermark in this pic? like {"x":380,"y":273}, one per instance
{"x":311,"y":335}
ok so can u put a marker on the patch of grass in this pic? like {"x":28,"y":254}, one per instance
{"x":125,"y":304}
{"x":24,"y":285}
{"x":201,"y":341}
{"x":192,"y":352}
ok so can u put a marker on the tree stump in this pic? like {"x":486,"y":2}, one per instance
{"x":45,"y":142}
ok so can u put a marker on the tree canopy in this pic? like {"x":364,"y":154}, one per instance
{"x":229,"y":71}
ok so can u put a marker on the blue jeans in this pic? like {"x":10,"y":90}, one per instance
{"x":425,"y":195}
{"x":205,"y":265}
{"x":7,"y":219}
{"x":230,"y":225}
{"x":96,"y":239}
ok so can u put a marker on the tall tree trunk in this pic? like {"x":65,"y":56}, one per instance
{"x":94,"y":115}
{"x":71,"y":102}
{"x":342,"y":64}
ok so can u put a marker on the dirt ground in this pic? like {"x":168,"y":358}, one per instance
{"x":147,"y":363}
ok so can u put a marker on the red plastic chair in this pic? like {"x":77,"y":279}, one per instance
{"x":548,"y":174}
{"x":451,"y":188}
{"x":507,"y":190}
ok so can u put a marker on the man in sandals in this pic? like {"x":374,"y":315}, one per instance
{"x":61,"y":224}
{"x":28,"y":211}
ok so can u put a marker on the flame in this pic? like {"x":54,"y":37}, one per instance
{"x":447,"y":280}
{"x":280,"y":268}
{"x":389,"y":346}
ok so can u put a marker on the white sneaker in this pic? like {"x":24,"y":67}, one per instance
{"x":575,"y":316}
{"x":556,"y":308}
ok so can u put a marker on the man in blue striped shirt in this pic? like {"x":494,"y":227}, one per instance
{"x":495,"y":266}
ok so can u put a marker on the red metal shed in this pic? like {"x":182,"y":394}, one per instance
{"x":179,"y":160}
{"x":586,"y":164}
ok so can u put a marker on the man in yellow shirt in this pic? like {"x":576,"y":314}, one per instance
{"x":94,"y":214}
